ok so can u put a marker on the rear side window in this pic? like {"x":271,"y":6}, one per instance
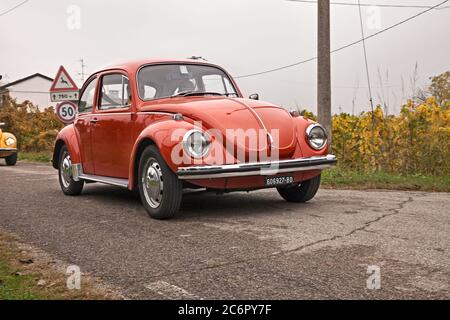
{"x":115,"y":92}
{"x":86,"y":103}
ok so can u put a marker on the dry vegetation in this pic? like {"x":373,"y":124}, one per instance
{"x":30,"y":274}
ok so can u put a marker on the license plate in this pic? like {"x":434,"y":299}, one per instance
{"x":278,"y":181}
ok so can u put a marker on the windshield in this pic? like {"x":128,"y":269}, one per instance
{"x":169,"y":80}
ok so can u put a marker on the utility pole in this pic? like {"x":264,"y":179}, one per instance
{"x":324,"y":66}
{"x":83,"y":66}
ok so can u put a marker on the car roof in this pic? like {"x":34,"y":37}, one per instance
{"x":132,"y":66}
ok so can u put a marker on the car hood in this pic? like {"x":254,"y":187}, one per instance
{"x":235,"y":113}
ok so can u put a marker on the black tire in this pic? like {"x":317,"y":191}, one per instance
{"x":303,"y":192}
{"x":162,"y":195}
{"x":11,"y":160}
{"x":69,"y":186}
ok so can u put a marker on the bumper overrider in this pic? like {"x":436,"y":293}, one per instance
{"x":256,"y":168}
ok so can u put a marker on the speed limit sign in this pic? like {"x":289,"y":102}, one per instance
{"x":66,"y":111}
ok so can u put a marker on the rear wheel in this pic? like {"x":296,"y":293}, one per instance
{"x":11,"y":160}
{"x":302,"y":192}
{"x":159,"y":188}
{"x":69,"y":186}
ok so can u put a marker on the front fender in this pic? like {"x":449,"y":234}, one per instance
{"x":305,"y":150}
{"x":67,"y":136}
{"x":165,"y":135}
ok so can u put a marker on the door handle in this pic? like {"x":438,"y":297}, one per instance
{"x":94,"y":120}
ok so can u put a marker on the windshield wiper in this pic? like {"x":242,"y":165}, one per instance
{"x":197,"y":93}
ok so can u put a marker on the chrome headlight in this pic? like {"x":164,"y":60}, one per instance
{"x":196,"y":143}
{"x":10,"y":141}
{"x":316,"y":136}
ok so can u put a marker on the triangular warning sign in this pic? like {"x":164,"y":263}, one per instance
{"x":63,"y":82}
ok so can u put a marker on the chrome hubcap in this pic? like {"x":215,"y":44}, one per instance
{"x":66,"y":170}
{"x":152,"y":182}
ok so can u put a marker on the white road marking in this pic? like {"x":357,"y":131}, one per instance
{"x":170,"y":291}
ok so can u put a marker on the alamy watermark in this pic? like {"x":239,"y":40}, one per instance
{"x":374,"y":280}
{"x":73,"y":21}
{"x":373,"y":18}
{"x":244,"y":145}
{"x":74,"y":277}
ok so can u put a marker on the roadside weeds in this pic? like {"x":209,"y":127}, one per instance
{"x":27,"y":273}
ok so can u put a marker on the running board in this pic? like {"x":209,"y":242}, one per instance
{"x":78,"y":174}
{"x":106,"y":180}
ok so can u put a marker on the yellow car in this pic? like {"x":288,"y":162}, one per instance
{"x":8,"y":147}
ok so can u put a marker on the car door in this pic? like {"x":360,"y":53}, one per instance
{"x":83,"y":125}
{"x":113,"y":123}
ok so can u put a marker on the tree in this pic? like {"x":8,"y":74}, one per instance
{"x":440,"y":88}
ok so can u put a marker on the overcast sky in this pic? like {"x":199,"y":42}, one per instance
{"x":244,"y":36}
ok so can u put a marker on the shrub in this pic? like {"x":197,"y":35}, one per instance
{"x":35,"y":130}
{"x":417,"y":141}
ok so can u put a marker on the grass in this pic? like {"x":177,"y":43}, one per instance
{"x":338,"y":178}
{"x":18,"y":282}
{"x":14,"y":286}
{"x":27,"y":274}
{"x":42,"y":157}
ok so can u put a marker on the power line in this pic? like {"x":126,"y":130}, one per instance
{"x":14,"y":8}
{"x":372,"y":5}
{"x":345,"y":46}
{"x":24,"y":91}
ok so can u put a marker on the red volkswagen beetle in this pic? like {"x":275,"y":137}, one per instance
{"x":160,"y":126}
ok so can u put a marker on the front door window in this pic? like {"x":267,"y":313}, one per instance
{"x":115,"y":92}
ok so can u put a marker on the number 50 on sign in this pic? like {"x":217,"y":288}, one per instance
{"x":66,"y":111}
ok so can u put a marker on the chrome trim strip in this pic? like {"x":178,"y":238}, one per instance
{"x":156,"y":113}
{"x":256,"y":168}
{"x":111,"y":114}
{"x":85,"y":115}
{"x":102,"y":114}
{"x":106,"y":180}
{"x":78,"y":175}
{"x":8,"y":150}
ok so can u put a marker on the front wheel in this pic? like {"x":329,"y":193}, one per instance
{"x":302,"y":192}
{"x":11,"y":160}
{"x":159,"y":188}
{"x":69,"y":186}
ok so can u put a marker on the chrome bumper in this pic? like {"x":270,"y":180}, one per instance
{"x":256,"y":168}
{"x":8,"y":150}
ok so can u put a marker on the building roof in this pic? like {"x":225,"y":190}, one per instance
{"x":25,"y":79}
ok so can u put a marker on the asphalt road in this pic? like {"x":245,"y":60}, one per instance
{"x":238,"y":246}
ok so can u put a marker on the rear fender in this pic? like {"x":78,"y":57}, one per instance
{"x":67,"y":136}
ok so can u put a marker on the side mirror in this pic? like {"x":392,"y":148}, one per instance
{"x":254,"y":96}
